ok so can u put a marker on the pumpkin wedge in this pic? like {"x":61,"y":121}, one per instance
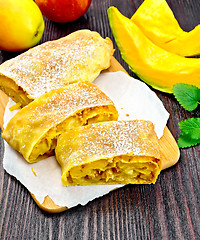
{"x":158,"y":23}
{"x":154,"y":65}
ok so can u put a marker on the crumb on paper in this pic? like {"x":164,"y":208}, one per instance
{"x":34,"y":172}
{"x":127,"y":115}
{"x":15,"y":107}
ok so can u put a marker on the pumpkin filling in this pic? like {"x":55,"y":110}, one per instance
{"x":117,"y":170}
{"x":46,"y":145}
{"x":14,"y":92}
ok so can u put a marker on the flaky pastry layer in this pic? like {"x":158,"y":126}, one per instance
{"x":78,"y":57}
{"x":115,"y":152}
{"x":33,"y":131}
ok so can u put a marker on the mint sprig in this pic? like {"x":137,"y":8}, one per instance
{"x":190,"y":135}
{"x":189,"y":98}
{"x":187,"y":95}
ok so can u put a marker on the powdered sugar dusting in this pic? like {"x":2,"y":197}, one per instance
{"x":55,"y":106}
{"x":78,"y":57}
{"x":105,"y":140}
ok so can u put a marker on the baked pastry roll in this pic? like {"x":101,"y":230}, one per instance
{"x":79,"y":56}
{"x":116,"y":152}
{"x":33,"y":131}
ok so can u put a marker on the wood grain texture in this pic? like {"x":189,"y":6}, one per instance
{"x":170,"y":209}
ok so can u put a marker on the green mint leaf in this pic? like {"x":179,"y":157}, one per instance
{"x":190,"y":135}
{"x":191,"y":126}
{"x":185,"y":141}
{"x":187,"y":95}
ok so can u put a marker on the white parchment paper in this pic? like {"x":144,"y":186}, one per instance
{"x":133,"y":100}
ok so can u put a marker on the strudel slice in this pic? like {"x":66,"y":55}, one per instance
{"x":80,"y":56}
{"x":33,"y":131}
{"x":115,"y":152}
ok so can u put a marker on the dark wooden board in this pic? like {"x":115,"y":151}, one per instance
{"x":170,"y":209}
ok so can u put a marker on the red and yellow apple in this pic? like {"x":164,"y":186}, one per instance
{"x":22,"y":24}
{"x":63,"y":10}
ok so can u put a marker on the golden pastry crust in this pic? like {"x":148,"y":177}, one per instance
{"x":115,"y":152}
{"x":79,"y":56}
{"x":34,"y":129}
